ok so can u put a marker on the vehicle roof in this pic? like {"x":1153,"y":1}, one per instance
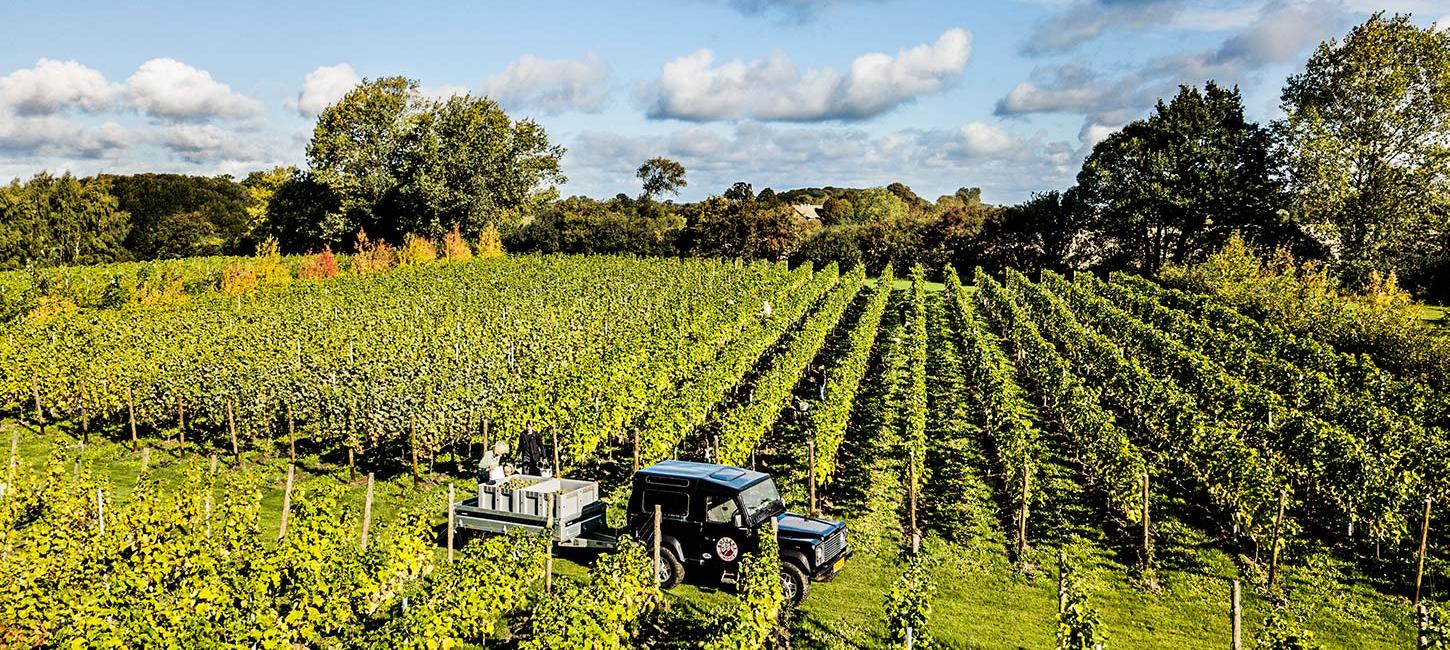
{"x":734,"y":478}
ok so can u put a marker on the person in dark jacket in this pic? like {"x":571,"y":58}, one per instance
{"x":531,"y":451}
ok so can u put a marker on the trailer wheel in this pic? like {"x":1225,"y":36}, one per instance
{"x":671,"y":572}
{"x":793,"y":583}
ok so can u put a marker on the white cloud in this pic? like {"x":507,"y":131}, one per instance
{"x":50,"y":136}
{"x":53,"y":86}
{"x":170,"y":89}
{"x":1088,"y":19}
{"x":694,"y":88}
{"x":322,"y":87}
{"x":551,"y":85}
{"x":978,"y":139}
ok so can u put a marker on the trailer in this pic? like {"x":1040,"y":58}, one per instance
{"x":523,"y":502}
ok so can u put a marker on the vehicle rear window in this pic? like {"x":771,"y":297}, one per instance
{"x":672,"y":504}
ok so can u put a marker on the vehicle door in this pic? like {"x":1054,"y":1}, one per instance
{"x":723,"y":537}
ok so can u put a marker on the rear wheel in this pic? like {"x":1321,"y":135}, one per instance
{"x":670,"y":573}
{"x":793,"y":583}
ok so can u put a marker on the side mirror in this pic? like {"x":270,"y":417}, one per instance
{"x":738,"y":520}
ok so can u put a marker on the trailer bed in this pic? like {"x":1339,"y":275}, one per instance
{"x":577,"y":519}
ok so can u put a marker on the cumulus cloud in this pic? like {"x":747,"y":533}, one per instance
{"x":54,"y":86}
{"x":323,"y":86}
{"x":694,"y":88}
{"x":551,"y":85}
{"x":170,"y":89}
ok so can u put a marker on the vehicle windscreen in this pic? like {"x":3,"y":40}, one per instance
{"x":761,"y":500}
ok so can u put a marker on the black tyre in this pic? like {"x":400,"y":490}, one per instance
{"x":671,"y":572}
{"x":793,"y":583}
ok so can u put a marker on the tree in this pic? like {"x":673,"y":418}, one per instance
{"x":719,"y":227}
{"x":465,"y":164}
{"x":740,"y":191}
{"x":661,"y":175}
{"x":399,"y":163}
{"x":1172,"y":188}
{"x":261,"y":186}
{"x":174,"y":215}
{"x":1367,"y":137}
{"x":837,"y":210}
{"x":356,"y":150}
{"x":53,"y":220}
{"x":1045,"y":232}
{"x":877,"y":204}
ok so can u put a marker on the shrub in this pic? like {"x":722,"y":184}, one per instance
{"x":1282,"y":633}
{"x":263,"y":270}
{"x":454,"y":248}
{"x":160,"y":284}
{"x":318,"y":267}
{"x":754,"y":619}
{"x":371,"y":256}
{"x":416,"y":251}
{"x":1378,"y":318}
{"x":489,"y":242}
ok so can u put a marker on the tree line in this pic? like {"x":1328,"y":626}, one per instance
{"x":1356,"y":174}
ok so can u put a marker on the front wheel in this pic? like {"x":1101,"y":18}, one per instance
{"x":793,"y":583}
{"x":671,"y":572}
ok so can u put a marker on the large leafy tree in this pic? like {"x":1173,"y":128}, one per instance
{"x":1173,"y":187}
{"x":465,"y":163}
{"x":1367,"y":137}
{"x":357,"y":150}
{"x":61,"y":220}
{"x":401,"y":163}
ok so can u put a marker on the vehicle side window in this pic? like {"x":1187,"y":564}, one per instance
{"x":672,"y":504}
{"x":721,"y":511}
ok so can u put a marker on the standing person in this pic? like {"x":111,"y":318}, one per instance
{"x":531,"y":451}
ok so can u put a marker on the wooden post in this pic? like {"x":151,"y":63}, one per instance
{"x":100,"y":511}
{"x":910,"y":638}
{"x":39,"y":412}
{"x":213,"y":464}
{"x":1424,"y":537}
{"x":1061,"y":582}
{"x":351,"y":465}
{"x":549,"y":558}
{"x":636,"y":450}
{"x":911,"y":493}
{"x":145,"y":458}
{"x":1022,"y":514}
{"x":1147,"y":537}
{"x":207,"y":506}
{"x":232,"y":431}
{"x":413,"y":444}
{"x":1236,"y":612}
{"x":131,"y":416}
{"x":367,"y":514}
{"x":14,"y":455}
{"x":1274,"y":552}
{"x":558,"y":469}
{"x":85,"y":423}
{"x":655,"y":542}
{"x":181,"y":424}
{"x":450,"y":522}
{"x":291,"y":436}
{"x":811,"y":462}
{"x":286,"y":502}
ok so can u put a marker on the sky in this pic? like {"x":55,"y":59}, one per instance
{"x":1004,"y":95}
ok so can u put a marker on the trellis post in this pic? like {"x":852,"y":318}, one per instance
{"x":286,"y":502}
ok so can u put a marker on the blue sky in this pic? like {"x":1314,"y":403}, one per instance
{"x":1008,"y":96}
